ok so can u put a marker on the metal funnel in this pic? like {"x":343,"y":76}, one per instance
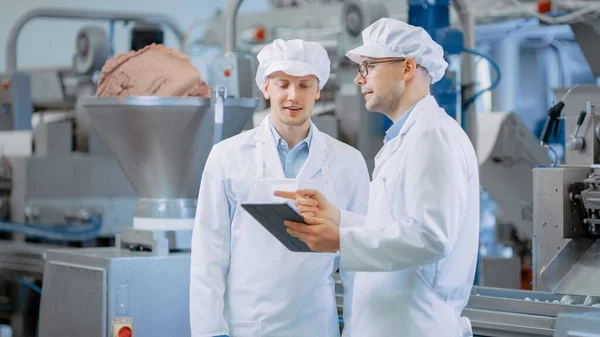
{"x":162,"y":142}
{"x":585,"y":33}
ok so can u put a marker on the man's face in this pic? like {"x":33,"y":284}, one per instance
{"x":383,"y":83}
{"x":292,"y":98}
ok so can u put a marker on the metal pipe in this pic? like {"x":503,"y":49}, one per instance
{"x":231,"y":12}
{"x":507,"y":40}
{"x":331,"y":46}
{"x":467,"y":18}
{"x":62,"y":13}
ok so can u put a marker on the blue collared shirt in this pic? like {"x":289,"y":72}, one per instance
{"x":292,"y":160}
{"x":394,"y":130}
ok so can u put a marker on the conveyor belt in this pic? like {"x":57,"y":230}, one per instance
{"x":517,"y":313}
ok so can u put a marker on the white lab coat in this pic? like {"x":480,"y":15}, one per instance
{"x":415,"y":257}
{"x":245,"y":283}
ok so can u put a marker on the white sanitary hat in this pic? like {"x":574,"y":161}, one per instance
{"x":393,"y":38}
{"x":295,"y":58}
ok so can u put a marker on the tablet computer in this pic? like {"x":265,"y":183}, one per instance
{"x":271,"y":216}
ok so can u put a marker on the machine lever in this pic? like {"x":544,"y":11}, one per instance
{"x":574,"y":142}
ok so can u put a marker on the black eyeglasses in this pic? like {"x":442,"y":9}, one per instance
{"x":363,"y":68}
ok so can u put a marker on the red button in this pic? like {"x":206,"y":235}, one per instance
{"x":125,"y":332}
{"x":260,"y":34}
{"x":227,"y":72}
{"x":5,"y":85}
{"x":544,"y":6}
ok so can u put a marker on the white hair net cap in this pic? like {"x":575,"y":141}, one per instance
{"x":293,"y":57}
{"x":393,"y":38}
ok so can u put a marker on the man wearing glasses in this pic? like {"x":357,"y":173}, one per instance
{"x":415,"y":251}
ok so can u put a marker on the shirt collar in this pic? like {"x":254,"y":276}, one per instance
{"x":280,"y":142}
{"x":394,"y":130}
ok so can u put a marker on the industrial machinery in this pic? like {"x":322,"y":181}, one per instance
{"x":60,"y":184}
{"x":142,"y":283}
{"x":497,"y":312}
{"x":162,"y":144}
{"x":565,"y":248}
{"x":61,"y":143}
{"x":566,"y":206}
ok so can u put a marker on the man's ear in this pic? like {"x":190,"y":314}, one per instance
{"x":410,"y":69}
{"x":318,"y":92}
{"x":266,"y":93}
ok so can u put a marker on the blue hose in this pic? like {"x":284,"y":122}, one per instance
{"x":19,"y":300}
{"x":555,"y":156}
{"x":55,"y":233}
{"x":472,"y":99}
{"x":28,"y":285}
